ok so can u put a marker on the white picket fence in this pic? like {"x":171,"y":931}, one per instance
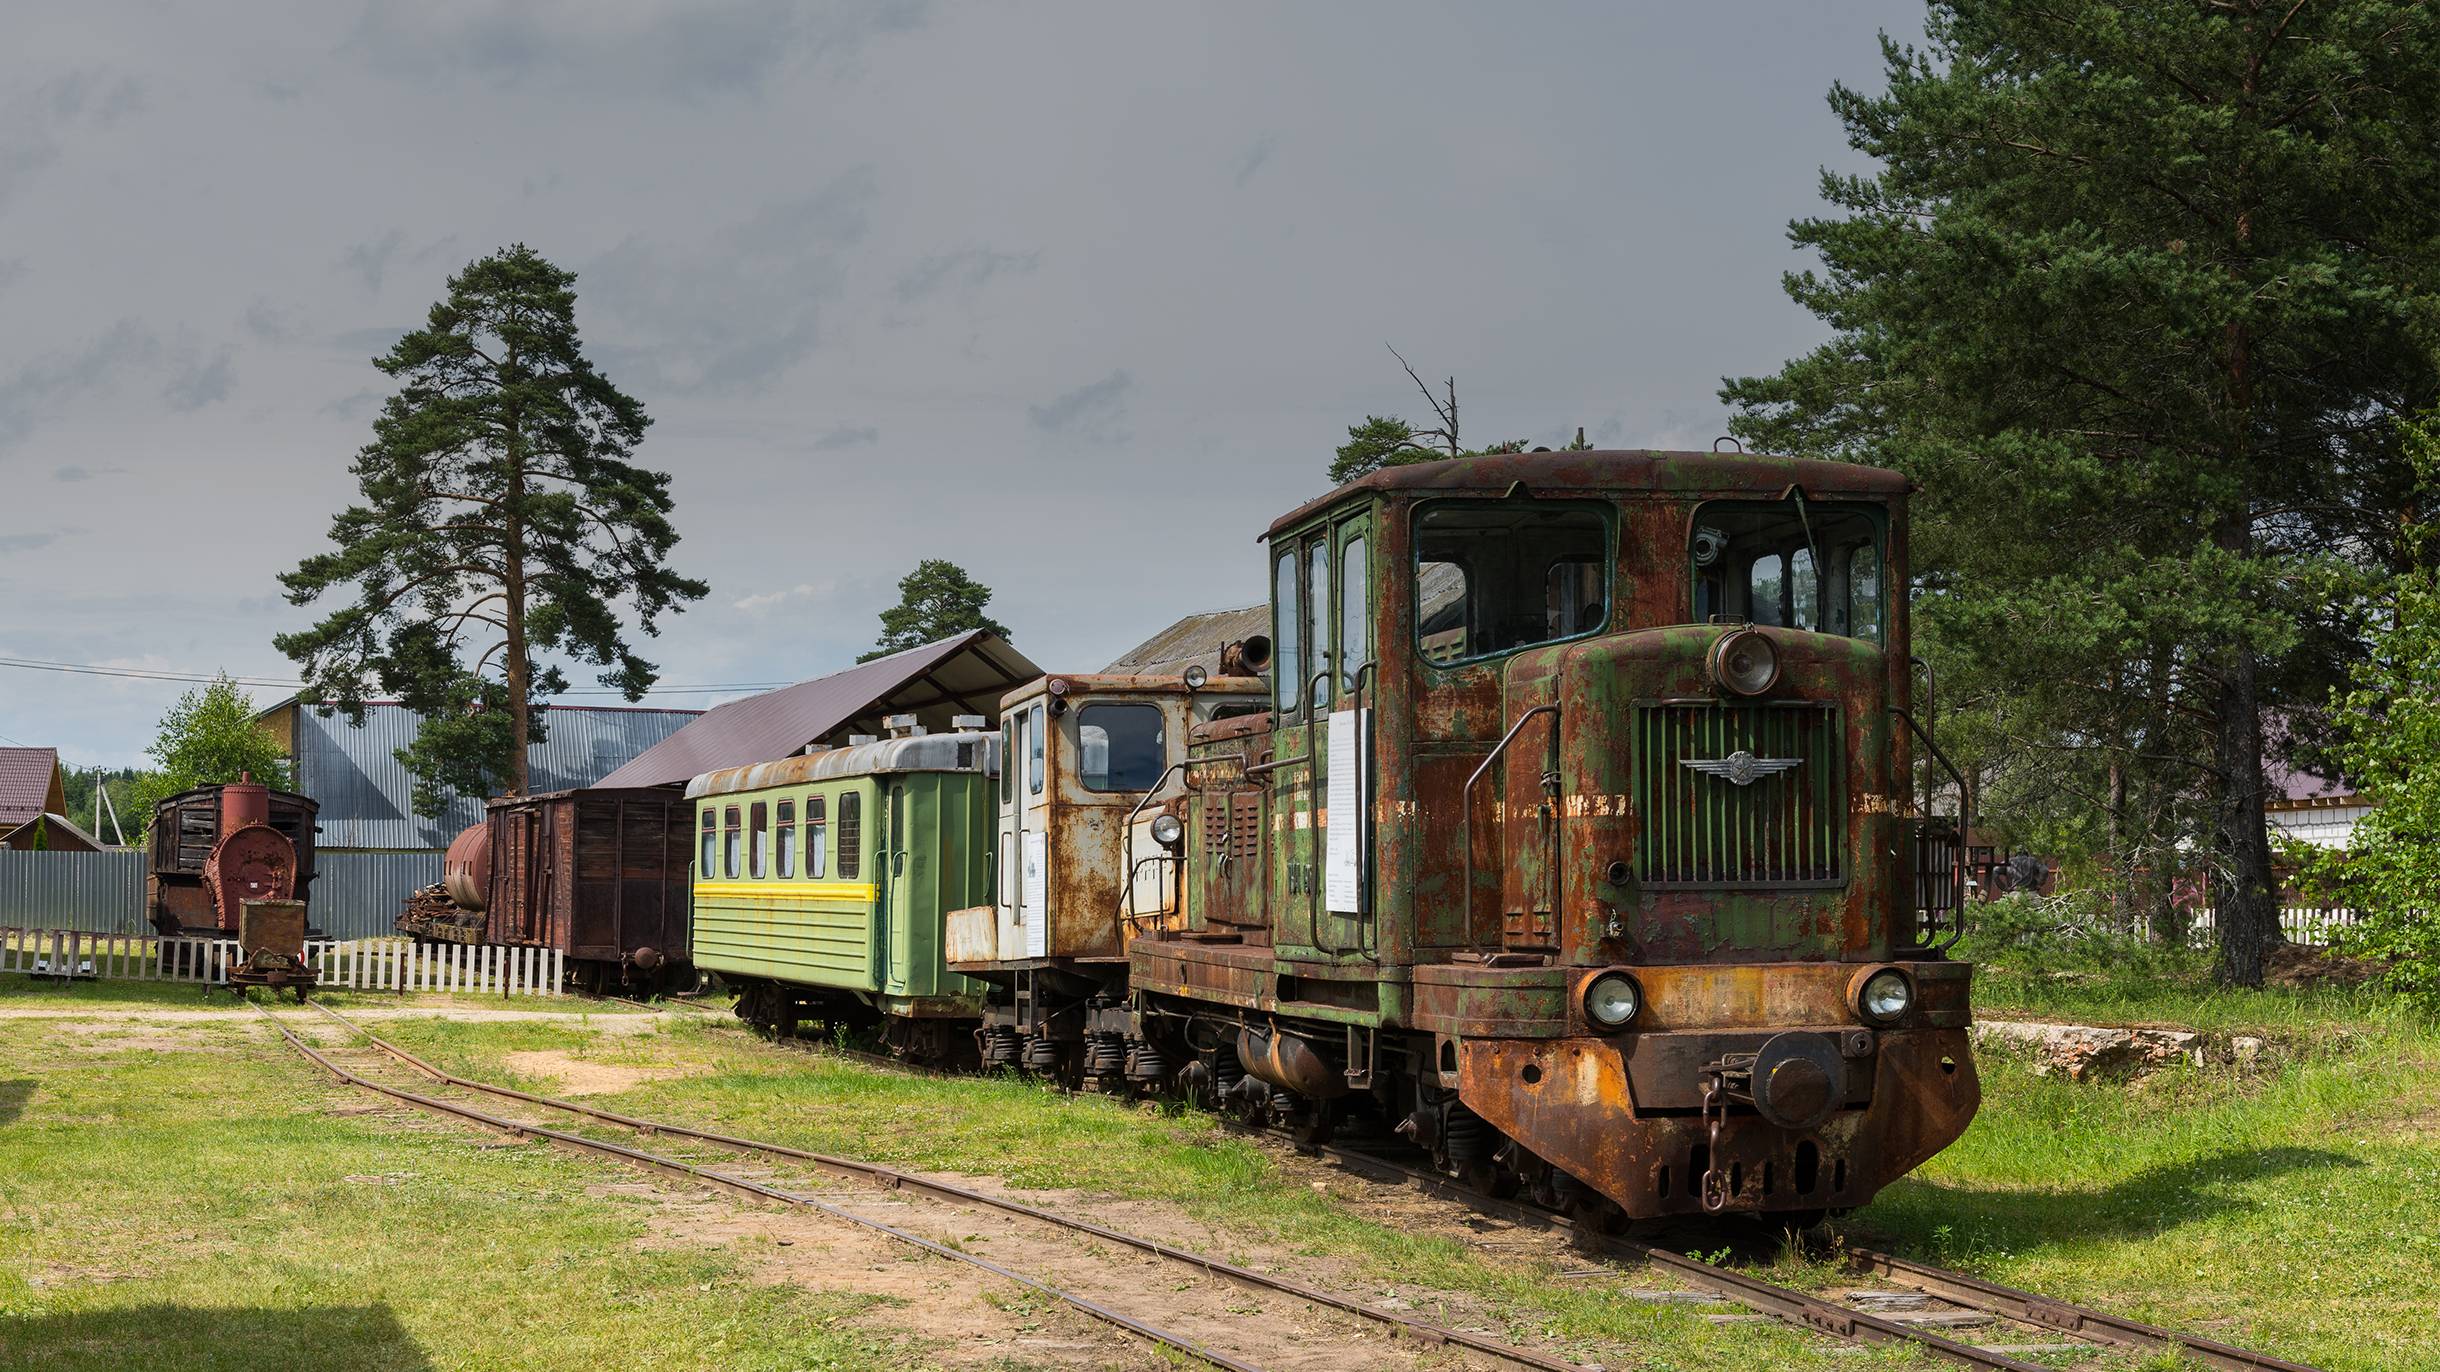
{"x":2313,"y":925}
{"x":345,"y":965}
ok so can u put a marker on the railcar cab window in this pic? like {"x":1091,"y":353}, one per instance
{"x":1033,"y":751}
{"x":1794,"y":564}
{"x":1493,"y":576}
{"x":1287,"y":634}
{"x":1121,"y":747}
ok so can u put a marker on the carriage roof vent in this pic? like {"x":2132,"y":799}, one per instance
{"x":859,"y":740}
{"x":971,"y":724}
{"x":901,"y":726}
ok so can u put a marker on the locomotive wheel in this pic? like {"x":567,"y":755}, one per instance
{"x":1312,"y":1131}
{"x":1489,"y":1178}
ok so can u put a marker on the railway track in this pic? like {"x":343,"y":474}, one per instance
{"x":1965,"y":1296}
{"x":900,"y":1183}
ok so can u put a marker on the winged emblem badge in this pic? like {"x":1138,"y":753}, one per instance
{"x":1741,"y":768}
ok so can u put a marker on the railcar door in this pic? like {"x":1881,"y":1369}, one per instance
{"x":1343,"y":778}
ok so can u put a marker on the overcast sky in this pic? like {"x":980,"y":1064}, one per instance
{"x":1079,"y":296}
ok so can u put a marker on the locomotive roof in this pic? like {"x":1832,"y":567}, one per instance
{"x":958,"y":752}
{"x":1688,"y":473}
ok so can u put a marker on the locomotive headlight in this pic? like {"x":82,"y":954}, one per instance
{"x":1744,"y":662}
{"x":1886,"y":995}
{"x":1612,"y":999}
{"x":1167,"y":830}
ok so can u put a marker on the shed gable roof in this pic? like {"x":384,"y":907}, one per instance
{"x":29,"y":784}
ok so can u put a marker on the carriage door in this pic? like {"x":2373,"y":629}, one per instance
{"x":891,"y":903}
{"x":1033,"y":806}
{"x":1341,"y":616}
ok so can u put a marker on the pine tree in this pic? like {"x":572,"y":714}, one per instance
{"x":499,"y":498}
{"x":935,"y":600}
{"x":2137,"y":294}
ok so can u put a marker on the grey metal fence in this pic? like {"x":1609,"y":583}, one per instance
{"x":355,"y":895}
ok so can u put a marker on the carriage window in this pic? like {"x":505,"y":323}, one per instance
{"x":706,"y":863}
{"x":1008,"y":750}
{"x":1288,"y":646}
{"x":1355,"y":610}
{"x":759,"y":864}
{"x":1121,"y":747}
{"x":1493,"y":576}
{"x":728,"y":844}
{"x":783,"y":842}
{"x":815,"y":834}
{"x":851,"y":835}
{"x":1033,"y":750}
{"x":1798,"y":564}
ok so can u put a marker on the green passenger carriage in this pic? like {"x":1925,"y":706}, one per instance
{"x":822,"y":881}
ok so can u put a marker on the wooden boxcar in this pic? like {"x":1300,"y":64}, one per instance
{"x":186,"y":826}
{"x":822,"y":883}
{"x":600,"y":875}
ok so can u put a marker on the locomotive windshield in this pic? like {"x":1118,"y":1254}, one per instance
{"x":1121,"y":747}
{"x":1794,"y":563}
{"x":1493,"y":576}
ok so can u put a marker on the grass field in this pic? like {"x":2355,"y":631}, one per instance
{"x":187,"y":1194}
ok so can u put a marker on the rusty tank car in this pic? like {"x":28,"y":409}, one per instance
{"x":1578,"y":843}
{"x":215,"y":847}
{"x":599,"y":874}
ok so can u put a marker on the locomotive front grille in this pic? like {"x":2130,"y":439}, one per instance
{"x":1740,"y":794}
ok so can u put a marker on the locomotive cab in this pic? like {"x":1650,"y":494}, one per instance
{"x":1579,"y":844}
{"x":1092,"y":761}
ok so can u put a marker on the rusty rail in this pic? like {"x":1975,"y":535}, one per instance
{"x":893,"y":1179}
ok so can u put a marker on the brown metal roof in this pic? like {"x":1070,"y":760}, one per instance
{"x":1196,"y":639}
{"x":964,"y":675}
{"x":1652,"y":469}
{"x":28,"y":784}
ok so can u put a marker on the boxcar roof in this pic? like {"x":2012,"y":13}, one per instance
{"x":959,"y":752}
{"x":1646,"y":469}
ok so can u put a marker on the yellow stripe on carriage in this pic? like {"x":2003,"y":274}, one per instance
{"x":786,"y":889}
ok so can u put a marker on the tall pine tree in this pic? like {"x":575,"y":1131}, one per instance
{"x":2137,"y":293}
{"x":937,"y":599}
{"x":502,"y":520}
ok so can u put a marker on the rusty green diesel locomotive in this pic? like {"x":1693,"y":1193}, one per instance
{"x":1580,"y":845}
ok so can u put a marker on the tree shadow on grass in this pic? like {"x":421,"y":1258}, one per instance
{"x":142,"y":1338}
{"x":2153,"y":1201}
{"x":13,"y":1096}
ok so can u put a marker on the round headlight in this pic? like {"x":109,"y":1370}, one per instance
{"x":1887,"y":995}
{"x":1196,"y":676}
{"x":1744,"y":662}
{"x":1612,"y":1000}
{"x":1167,"y":830}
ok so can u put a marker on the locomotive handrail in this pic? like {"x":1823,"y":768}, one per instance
{"x":1965,"y":823}
{"x":1466,"y":800}
{"x":1369,"y":924}
{"x":1314,"y":898}
{"x":1126,"y":904}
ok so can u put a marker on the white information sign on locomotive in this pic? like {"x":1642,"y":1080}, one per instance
{"x":1035,"y":880}
{"x":1343,"y":857}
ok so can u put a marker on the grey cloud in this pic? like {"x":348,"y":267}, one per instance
{"x":12,"y":271}
{"x":1255,"y":156}
{"x":75,"y":472}
{"x":1097,"y":412}
{"x":353,"y":406}
{"x":32,"y":126}
{"x":847,"y":436}
{"x":198,"y":383}
{"x":370,"y":342}
{"x":24,"y":543}
{"x":272,"y":323}
{"x":42,"y":385}
{"x":966,"y":271}
{"x":371,"y":261}
{"x":733,"y":314}
{"x":693,"y":52}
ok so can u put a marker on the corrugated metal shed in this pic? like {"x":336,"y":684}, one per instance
{"x":367,"y":797}
{"x":1193,"y":641}
{"x":965,"y":675}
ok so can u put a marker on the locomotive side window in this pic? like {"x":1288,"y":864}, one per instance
{"x":1288,"y":645}
{"x":729,"y":831}
{"x":1121,"y":747}
{"x":1008,"y":751}
{"x":851,"y":836}
{"x":1033,"y":751}
{"x":1355,"y":609}
{"x":1493,"y":576}
{"x":815,"y":834}
{"x":1317,"y":620}
{"x":783,"y":843}
{"x":706,"y":862}
{"x":1796,"y":564}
